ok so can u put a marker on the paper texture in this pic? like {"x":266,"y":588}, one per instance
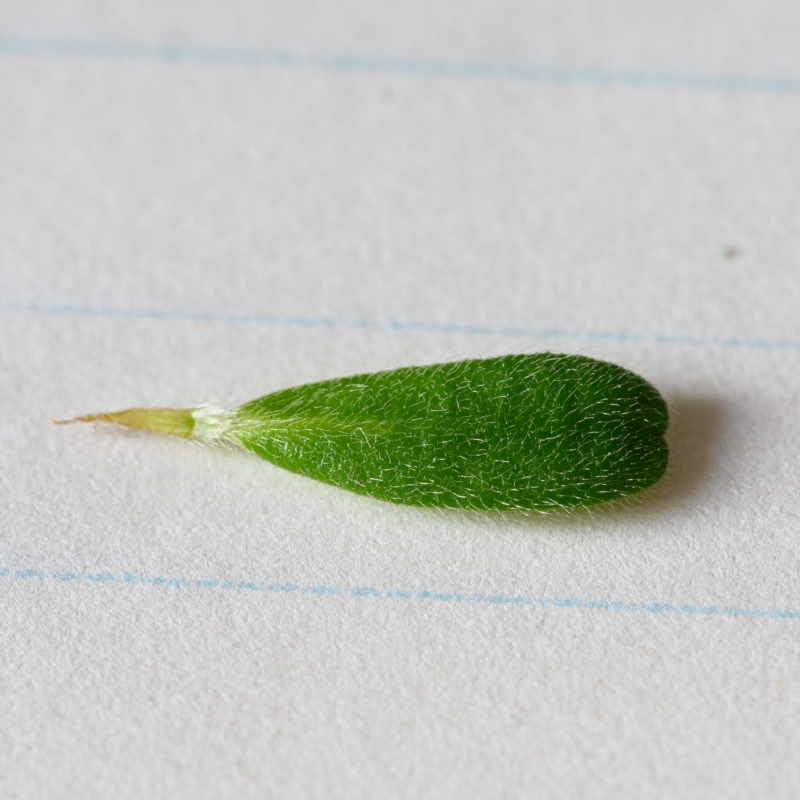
{"x":201,"y":203}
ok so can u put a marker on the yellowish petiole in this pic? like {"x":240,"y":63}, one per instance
{"x":204,"y":423}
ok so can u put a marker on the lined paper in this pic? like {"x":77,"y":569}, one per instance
{"x":208,"y":204}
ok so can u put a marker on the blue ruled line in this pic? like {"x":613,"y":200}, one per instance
{"x":393,"y":594}
{"x":395,"y":326}
{"x":377,"y":65}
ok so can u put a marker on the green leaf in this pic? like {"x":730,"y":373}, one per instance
{"x":520,"y":432}
{"x":516,"y":433}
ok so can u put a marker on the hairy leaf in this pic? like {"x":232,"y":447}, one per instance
{"x":519,"y":432}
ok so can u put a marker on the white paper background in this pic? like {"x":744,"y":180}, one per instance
{"x":209,"y":223}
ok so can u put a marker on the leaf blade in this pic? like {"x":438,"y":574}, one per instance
{"x":522,"y":432}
